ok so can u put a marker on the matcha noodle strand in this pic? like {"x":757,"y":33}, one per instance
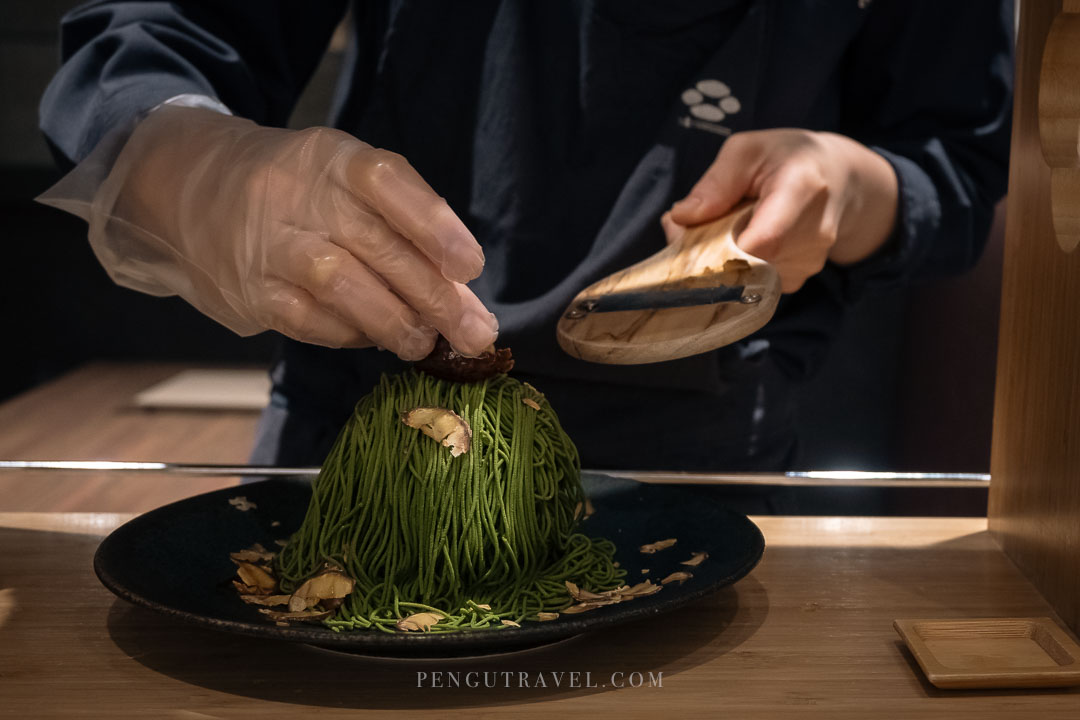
{"x":420,"y":530}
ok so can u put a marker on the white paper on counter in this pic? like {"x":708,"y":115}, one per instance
{"x":209,"y":390}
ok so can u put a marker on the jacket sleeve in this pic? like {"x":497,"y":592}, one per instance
{"x":123,"y":58}
{"x":929,"y":86}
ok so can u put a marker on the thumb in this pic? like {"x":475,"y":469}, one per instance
{"x":724,"y":184}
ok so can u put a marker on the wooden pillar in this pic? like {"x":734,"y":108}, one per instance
{"x":1035,"y":456}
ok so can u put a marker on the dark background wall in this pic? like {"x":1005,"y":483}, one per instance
{"x":58,"y":308}
{"x":909,"y":387}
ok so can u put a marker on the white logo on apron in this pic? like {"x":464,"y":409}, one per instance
{"x":709,"y":102}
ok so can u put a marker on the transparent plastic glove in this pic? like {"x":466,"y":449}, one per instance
{"x":311,"y":233}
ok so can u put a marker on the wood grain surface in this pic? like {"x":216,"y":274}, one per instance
{"x":1035,"y":456}
{"x":993,"y":653}
{"x":807,"y":634}
{"x":706,"y":256}
{"x":89,"y":415}
{"x":1059,"y":122}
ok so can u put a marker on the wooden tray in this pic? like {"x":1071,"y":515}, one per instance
{"x":993,"y":652}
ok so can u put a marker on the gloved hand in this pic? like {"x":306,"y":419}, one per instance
{"x":821,"y":196}
{"x":311,"y":233}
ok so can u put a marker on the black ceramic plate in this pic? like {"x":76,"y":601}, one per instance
{"x":175,"y":560}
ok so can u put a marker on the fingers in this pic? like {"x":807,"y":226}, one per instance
{"x":673,"y":231}
{"x":790,"y":229}
{"x":727,"y":181}
{"x":347,"y":289}
{"x":387,"y":183}
{"x":449,"y":307}
{"x":295,"y":313}
{"x":796,"y":220}
{"x":472,"y":330}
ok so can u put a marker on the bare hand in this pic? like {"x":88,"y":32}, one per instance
{"x":821,"y":197}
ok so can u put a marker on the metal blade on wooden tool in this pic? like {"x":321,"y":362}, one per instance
{"x":659,"y":299}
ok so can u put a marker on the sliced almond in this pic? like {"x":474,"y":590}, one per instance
{"x":443,"y":425}
{"x":252,"y":555}
{"x":696,"y":559}
{"x":657,"y":546}
{"x":588,"y":595}
{"x":511,"y":623}
{"x":641,"y":589}
{"x":579,"y":594}
{"x":268,"y":600}
{"x":304,"y":615}
{"x":613,"y":600}
{"x":584,"y":510}
{"x":531,"y":403}
{"x":241,"y":503}
{"x":547,"y":616}
{"x":418,"y":621}
{"x":644,"y":571}
{"x":587,"y":600}
{"x":680,"y":577}
{"x":329,"y":584}
{"x":255,"y":576}
{"x":615,"y":595}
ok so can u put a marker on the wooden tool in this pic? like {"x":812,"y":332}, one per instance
{"x":695,"y":295}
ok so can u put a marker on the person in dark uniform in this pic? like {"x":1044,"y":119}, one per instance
{"x":492,"y":158}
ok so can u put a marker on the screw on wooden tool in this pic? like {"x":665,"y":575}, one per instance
{"x":581,"y":309}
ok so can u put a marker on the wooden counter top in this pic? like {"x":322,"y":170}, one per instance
{"x":808,"y":634}
{"x":89,"y":414}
